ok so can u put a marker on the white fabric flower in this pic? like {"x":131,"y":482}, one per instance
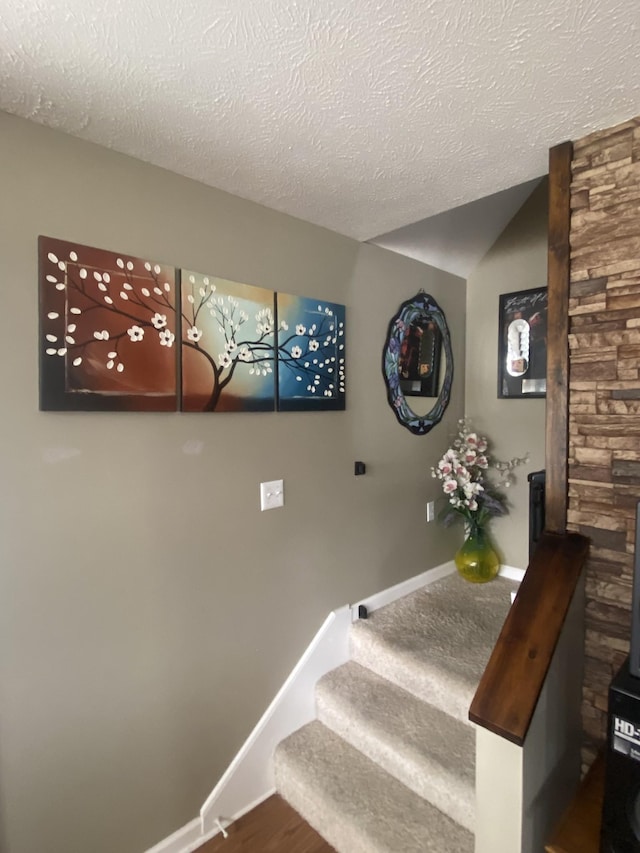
{"x":159,"y":320}
{"x":194,"y":334}
{"x":167,"y":338}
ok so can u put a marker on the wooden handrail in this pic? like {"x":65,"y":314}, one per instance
{"x":513,"y":679}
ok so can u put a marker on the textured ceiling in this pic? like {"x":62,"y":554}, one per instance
{"x":359,"y":115}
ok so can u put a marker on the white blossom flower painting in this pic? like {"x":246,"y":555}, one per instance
{"x":110,"y":339}
{"x":311,"y":354}
{"x":107,"y":330}
{"x":228,"y":331}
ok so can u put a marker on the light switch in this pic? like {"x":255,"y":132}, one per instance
{"x":431,"y":510}
{"x":271,"y":494}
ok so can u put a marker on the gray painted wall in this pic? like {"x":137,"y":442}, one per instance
{"x":148,"y":611}
{"x":516,"y":261}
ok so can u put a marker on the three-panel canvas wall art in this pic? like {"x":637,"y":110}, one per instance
{"x":119,"y":333}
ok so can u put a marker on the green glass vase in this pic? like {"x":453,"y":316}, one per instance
{"x":476,"y":560}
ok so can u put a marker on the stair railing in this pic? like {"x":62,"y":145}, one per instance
{"x":527,"y":704}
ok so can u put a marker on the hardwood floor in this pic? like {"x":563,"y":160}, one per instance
{"x":272,"y":827}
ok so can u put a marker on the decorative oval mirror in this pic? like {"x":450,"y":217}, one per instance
{"x":417,"y":363}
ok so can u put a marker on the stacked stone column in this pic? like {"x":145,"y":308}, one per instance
{"x":604,"y":397}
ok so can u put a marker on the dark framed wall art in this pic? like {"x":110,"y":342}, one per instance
{"x":121,"y":333}
{"x":107,"y":330}
{"x":522,"y":344}
{"x":310,"y":354}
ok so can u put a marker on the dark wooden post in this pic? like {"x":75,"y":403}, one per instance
{"x":557,"y":423}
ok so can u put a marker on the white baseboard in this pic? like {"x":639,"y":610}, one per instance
{"x":181,"y":840}
{"x":380,"y":599}
{"x":191,"y":837}
{"x":250,"y":774}
{"x":249,"y":778}
{"x":511,"y":573}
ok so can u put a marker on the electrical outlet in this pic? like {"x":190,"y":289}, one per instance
{"x":271,"y":494}
{"x":431,"y":511}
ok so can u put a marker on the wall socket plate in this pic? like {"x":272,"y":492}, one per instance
{"x":431,"y":510}
{"x":271,"y":494}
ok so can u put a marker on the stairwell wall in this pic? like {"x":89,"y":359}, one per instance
{"x":149,"y":611}
{"x":516,"y":261}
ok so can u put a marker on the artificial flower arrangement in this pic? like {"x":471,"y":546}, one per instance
{"x":471,"y":497}
{"x":463,"y":472}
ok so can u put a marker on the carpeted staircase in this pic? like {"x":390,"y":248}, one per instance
{"x":389,"y":764}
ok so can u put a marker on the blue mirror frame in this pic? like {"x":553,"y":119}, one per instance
{"x":422,"y":308}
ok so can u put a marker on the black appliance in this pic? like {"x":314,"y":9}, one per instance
{"x":537,"y":480}
{"x":621,"y":809}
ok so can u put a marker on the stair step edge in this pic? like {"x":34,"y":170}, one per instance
{"x":356,"y":805}
{"x":428,"y":751}
{"x":426,"y":683}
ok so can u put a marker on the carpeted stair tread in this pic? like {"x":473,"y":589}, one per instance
{"x":355,"y":804}
{"x":435,"y":642}
{"x":426,"y":749}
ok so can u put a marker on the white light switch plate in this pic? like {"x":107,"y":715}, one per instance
{"x":271,"y":494}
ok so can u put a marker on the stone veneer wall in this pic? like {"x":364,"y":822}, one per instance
{"x":604,"y":398}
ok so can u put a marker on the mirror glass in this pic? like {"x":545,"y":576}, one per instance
{"x":417,"y":363}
